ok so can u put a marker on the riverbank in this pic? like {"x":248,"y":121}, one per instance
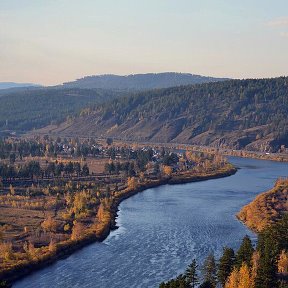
{"x":108,"y":214}
{"x":267,"y":208}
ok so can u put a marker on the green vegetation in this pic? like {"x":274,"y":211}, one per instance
{"x":28,"y":109}
{"x":239,"y":114}
{"x":226,"y":263}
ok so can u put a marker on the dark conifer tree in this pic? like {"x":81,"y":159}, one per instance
{"x":267,"y":268}
{"x":191,"y":275}
{"x":226,"y":264}
{"x":245,"y":252}
{"x":209,"y":271}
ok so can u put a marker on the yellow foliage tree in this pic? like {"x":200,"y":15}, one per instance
{"x":131,"y":183}
{"x":49,"y":225}
{"x":6,"y":251}
{"x":254,"y":268}
{"x":191,"y":156}
{"x":283,"y":263}
{"x":245,"y":279}
{"x":240,"y":278}
{"x":80,"y":204}
{"x":233,"y":279}
{"x":66,"y":227}
{"x":77,"y":231}
{"x":167,"y":170}
{"x":52,"y":246}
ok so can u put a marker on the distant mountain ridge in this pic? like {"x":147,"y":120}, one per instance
{"x":140,"y":81}
{"x":24,"y":106}
{"x":239,"y":114}
{"x":8,"y":85}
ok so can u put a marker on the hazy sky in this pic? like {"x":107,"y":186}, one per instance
{"x":52,"y":41}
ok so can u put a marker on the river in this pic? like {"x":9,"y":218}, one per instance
{"x":162,"y":230}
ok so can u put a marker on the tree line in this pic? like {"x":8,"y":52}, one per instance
{"x":265,"y":266}
{"x":32,"y":169}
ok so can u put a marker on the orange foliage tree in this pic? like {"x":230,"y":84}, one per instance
{"x":283,"y":263}
{"x":167,"y":170}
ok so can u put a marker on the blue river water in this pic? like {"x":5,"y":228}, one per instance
{"x":162,"y":229}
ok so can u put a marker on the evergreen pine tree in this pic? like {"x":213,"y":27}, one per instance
{"x":206,"y":284}
{"x":245,"y":252}
{"x":209,"y":270}
{"x":191,"y":274}
{"x":267,"y":269}
{"x":226,"y":264}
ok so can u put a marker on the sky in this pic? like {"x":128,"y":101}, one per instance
{"x":53,"y":41}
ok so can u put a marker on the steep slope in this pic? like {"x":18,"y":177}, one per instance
{"x":250,"y":114}
{"x":28,"y":108}
{"x":140,"y":81}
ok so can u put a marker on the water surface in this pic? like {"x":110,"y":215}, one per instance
{"x":162,"y":230}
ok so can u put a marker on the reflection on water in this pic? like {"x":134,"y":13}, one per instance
{"x":162,"y":230}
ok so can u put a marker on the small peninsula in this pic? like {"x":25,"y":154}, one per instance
{"x":267,"y":208}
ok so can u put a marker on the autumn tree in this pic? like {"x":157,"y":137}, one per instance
{"x":52,"y":246}
{"x":77,"y":231}
{"x":232,"y":279}
{"x":255,"y":264}
{"x":245,"y":278}
{"x":240,"y":278}
{"x":283,"y":263}
{"x":49,"y":225}
{"x":81,"y":204}
{"x":131,"y":183}
{"x":67,"y":227}
{"x":6,"y":251}
{"x":167,"y":170}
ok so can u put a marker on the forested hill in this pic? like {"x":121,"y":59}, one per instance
{"x":242,"y":114}
{"x":26,"y":108}
{"x":140,"y":81}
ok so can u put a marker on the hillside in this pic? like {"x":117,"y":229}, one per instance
{"x":26,"y":109}
{"x":239,"y":114}
{"x":140,"y":81}
{"x":267,"y":208}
